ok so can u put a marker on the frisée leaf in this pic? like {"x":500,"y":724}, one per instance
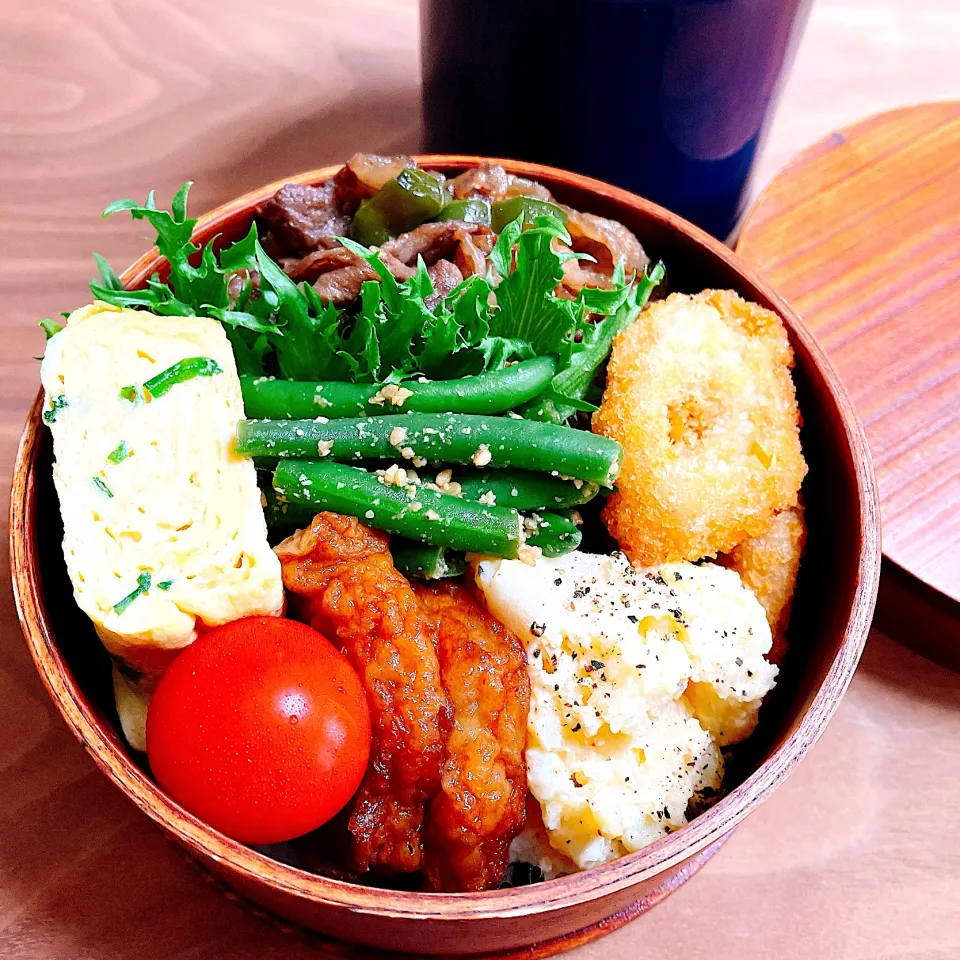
{"x":396,"y":330}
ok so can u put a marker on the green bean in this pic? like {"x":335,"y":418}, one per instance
{"x":510,"y":488}
{"x":554,"y":534}
{"x":426,"y":561}
{"x":496,"y":442}
{"x":416,"y":513}
{"x":524,"y":490}
{"x":282,"y":513}
{"x":412,"y":559}
{"x":494,"y":392}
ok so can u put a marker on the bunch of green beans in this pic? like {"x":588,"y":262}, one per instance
{"x":500,"y":481}
{"x":306,"y":489}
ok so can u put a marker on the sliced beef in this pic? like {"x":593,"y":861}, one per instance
{"x":606,"y":241}
{"x":443,"y":241}
{"x":488,"y":180}
{"x":302,"y":219}
{"x":445,"y":276}
{"x":338,"y":274}
{"x":522,"y":187}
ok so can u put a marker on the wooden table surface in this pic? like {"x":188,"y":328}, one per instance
{"x":857,"y":856}
{"x":881,"y":197}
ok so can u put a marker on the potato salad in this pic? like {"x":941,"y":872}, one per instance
{"x":638,"y":677}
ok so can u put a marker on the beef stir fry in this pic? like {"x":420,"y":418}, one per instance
{"x":412,"y":214}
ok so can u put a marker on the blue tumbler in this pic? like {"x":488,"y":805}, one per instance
{"x":667,"y":98}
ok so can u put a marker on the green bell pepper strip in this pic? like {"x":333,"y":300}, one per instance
{"x":505,"y":211}
{"x":474,"y":210}
{"x":409,"y":199}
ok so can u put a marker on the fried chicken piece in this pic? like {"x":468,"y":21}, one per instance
{"x":348,"y":587}
{"x":699,"y":394}
{"x":480,"y":806}
{"x":768,"y":564}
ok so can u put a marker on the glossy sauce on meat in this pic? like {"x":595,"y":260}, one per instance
{"x":480,"y":806}
{"x":348,"y":589}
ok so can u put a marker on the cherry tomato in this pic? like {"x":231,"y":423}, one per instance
{"x":261,"y":729}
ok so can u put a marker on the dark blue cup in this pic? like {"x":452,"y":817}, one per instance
{"x":668,"y":98}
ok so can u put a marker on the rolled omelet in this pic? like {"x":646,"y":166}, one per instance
{"x":164,"y":531}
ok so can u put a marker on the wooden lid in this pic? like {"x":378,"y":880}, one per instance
{"x":861,"y":234}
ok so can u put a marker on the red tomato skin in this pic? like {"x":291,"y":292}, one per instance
{"x":260,"y":728}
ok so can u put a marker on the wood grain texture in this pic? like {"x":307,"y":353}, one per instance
{"x":861,"y":233}
{"x":111,"y":98}
{"x":832,"y":611}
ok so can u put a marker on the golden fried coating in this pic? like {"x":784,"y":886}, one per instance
{"x":480,"y":806}
{"x":353,"y":592}
{"x":768,"y":564}
{"x":699,"y":394}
